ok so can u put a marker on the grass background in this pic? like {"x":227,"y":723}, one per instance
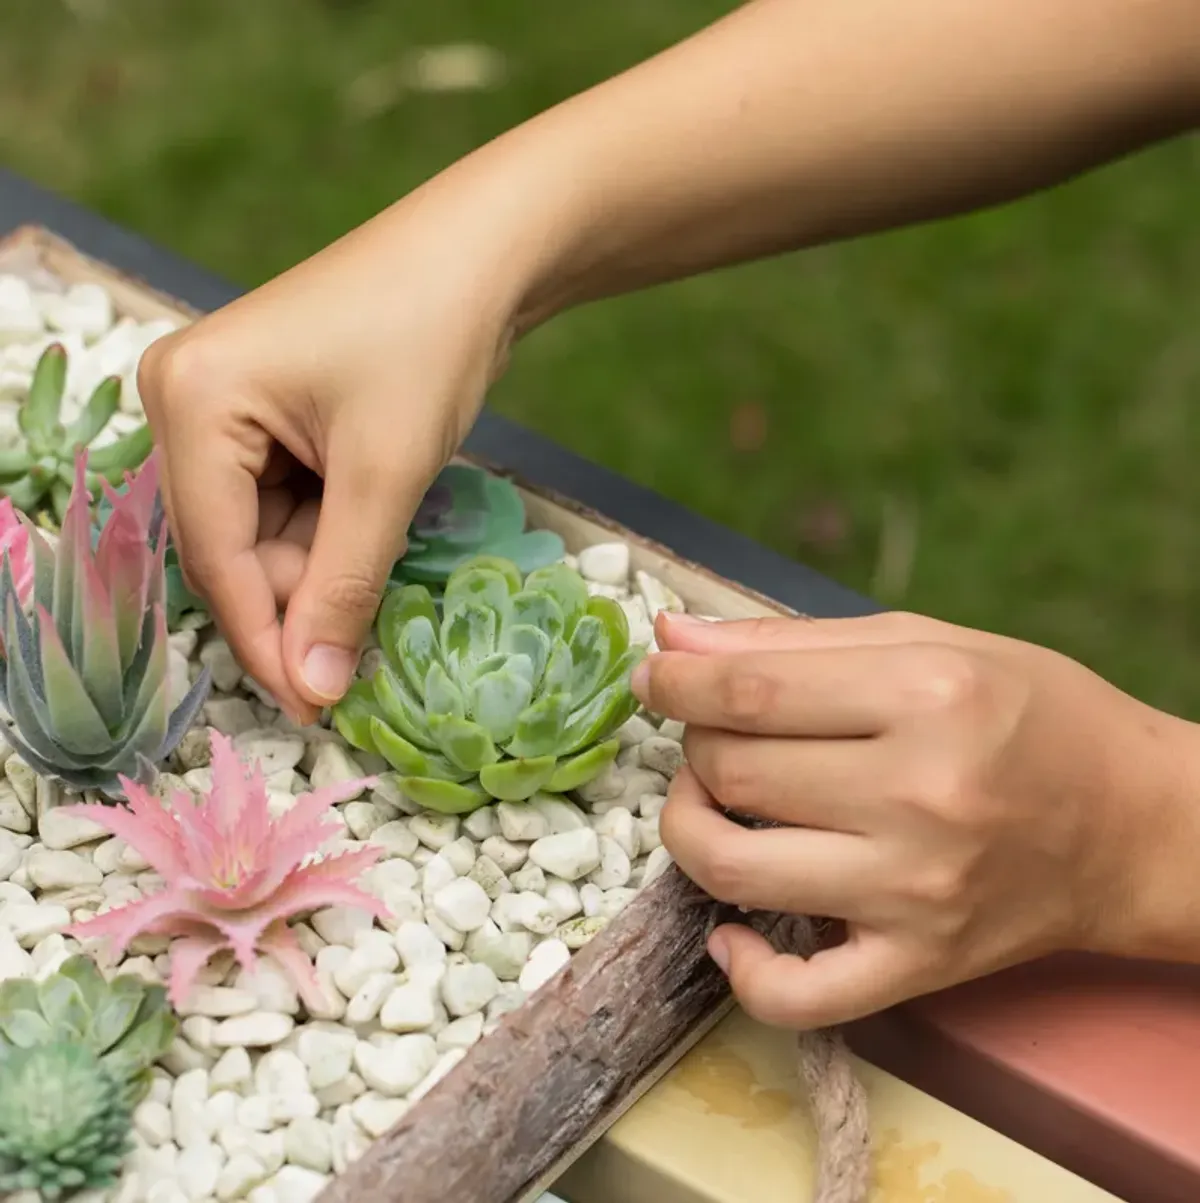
{"x":993,"y":420}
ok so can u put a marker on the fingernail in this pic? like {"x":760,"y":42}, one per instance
{"x":327,"y":670}
{"x":639,"y":682}
{"x":718,"y":949}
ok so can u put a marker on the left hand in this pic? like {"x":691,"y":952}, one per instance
{"x":963,"y":801}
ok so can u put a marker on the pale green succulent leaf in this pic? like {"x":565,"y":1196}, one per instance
{"x":352,"y":716}
{"x":579,"y":770}
{"x":85,"y":973}
{"x":533,"y":609}
{"x":409,"y":760}
{"x":490,"y":563}
{"x":416,"y":650}
{"x":464,"y":743}
{"x":63,"y":1006}
{"x":540,"y":727}
{"x":516,"y":780}
{"x":76,"y":724}
{"x":525,"y":640}
{"x":95,"y":416}
{"x":400,"y":606}
{"x":445,"y":796}
{"x":116,"y":1013}
{"x":442,"y":695}
{"x":498,"y":698}
{"x":398,"y":706}
{"x":615,"y":620}
{"x":556,"y":677}
{"x":24,"y":1029}
{"x":590,"y":647}
{"x":468,"y":638}
{"x":122,"y":455}
{"x":39,"y":415}
{"x":473,"y":584}
{"x":567,"y":588}
{"x":612,"y":706}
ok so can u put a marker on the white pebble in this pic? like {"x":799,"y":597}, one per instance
{"x":468,"y":988}
{"x":340,"y":924}
{"x":49,"y":870}
{"x":232,"y":1070}
{"x":409,"y":1008}
{"x":435,"y":831}
{"x":462,"y":903}
{"x":197,"y":1169}
{"x":152,"y":1122}
{"x":296,"y":1184}
{"x":188,"y":1098}
{"x":218,"y":1002}
{"x":14,"y":960}
{"x":363,"y":961}
{"x":253,"y":1030}
{"x":614,"y":867}
{"x":309,"y":1143}
{"x":376,"y":1114}
{"x":395,"y":1067}
{"x":417,"y":945}
{"x":327,"y":1055}
{"x":505,"y":853}
{"x":520,"y":822}
{"x":334,"y":765}
{"x":481,"y":823}
{"x":569,"y":854}
{"x":511,"y":912}
{"x":490,"y":876}
{"x":544,"y":962}
{"x":605,"y":563}
{"x":395,"y":838}
{"x":562,"y":897}
{"x":241,"y":1172}
{"x":59,"y":830}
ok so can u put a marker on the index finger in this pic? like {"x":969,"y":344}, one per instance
{"x":824,"y":693}
{"x":213,"y":509}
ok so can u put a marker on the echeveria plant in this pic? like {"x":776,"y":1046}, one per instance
{"x":75,"y":1058}
{"x":84,"y":679}
{"x":469,"y":512}
{"x":515,"y":688}
{"x":234,"y":874}
{"x":38,"y":471}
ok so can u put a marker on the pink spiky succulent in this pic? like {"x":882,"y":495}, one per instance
{"x":234,"y":873}
{"x":14,"y":547}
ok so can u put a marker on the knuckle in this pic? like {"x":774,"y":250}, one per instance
{"x":940,"y":679}
{"x":746,"y":693}
{"x":939,"y":885}
{"x":354,"y":595}
{"x":723,"y":872}
{"x":175,"y":369}
{"x":730,"y":778}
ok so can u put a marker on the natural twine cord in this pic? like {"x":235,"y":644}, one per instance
{"x":836,"y":1099}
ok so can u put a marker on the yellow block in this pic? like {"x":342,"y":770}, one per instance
{"x":728,"y":1125}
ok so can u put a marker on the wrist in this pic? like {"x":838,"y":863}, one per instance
{"x":1155,"y":911}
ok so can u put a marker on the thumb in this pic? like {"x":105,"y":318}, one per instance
{"x":836,"y":985}
{"x":366,"y":505}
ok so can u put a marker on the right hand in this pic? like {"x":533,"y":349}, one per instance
{"x":298,"y":428}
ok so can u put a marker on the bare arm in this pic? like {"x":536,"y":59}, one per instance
{"x":794,"y":122}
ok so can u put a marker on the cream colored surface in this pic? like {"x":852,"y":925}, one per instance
{"x":728,"y":1125}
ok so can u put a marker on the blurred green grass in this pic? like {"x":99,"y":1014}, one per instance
{"x":1012,"y":398}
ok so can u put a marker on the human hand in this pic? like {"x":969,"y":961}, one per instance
{"x":963,"y":801}
{"x":299,"y":427}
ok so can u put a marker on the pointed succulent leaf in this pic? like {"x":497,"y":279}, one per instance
{"x":567,"y":588}
{"x":146,"y":1041}
{"x":101,"y":406}
{"x":115,"y":1014}
{"x":85,"y":973}
{"x":528,"y":641}
{"x":39,"y":415}
{"x":19,"y":994}
{"x":409,"y":760}
{"x":416,"y":650}
{"x":75,"y":721}
{"x":615,"y":621}
{"x":442,"y":695}
{"x":541,"y":610}
{"x":613,"y":705}
{"x":540,"y":727}
{"x":400,"y":708}
{"x":146,"y":678}
{"x":100,"y":666}
{"x":14,"y":463}
{"x":114,"y":459}
{"x":468,"y":638}
{"x":182,"y":717}
{"x":497,"y":700}
{"x":28,"y":491}
{"x":579,"y":770}
{"x":63,"y":1006}
{"x":516,"y":780}
{"x":445,"y":796}
{"x":556,"y":677}
{"x":591,"y":646}
{"x":353,"y":714}
{"x":401,"y":606}
{"x":624,"y":665}
{"x":464,"y":743}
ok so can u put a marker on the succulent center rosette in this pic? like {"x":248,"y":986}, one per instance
{"x":517,"y":687}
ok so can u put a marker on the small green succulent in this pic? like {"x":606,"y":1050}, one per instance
{"x":469,"y":512}
{"x":37,"y":473}
{"x":64,"y":1122}
{"x":515,"y":688}
{"x":75,"y":1058}
{"x":125,"y":1023}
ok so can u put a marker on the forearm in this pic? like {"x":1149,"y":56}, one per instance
{"x":795,"y":122}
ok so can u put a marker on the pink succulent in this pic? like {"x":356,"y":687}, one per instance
{"x":14,"y":546}
{"x":234,"y":874}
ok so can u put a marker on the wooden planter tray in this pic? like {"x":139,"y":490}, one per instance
{"x":528,"y":1101}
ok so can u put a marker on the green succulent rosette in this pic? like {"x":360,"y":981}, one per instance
{"x":516,"y":687}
